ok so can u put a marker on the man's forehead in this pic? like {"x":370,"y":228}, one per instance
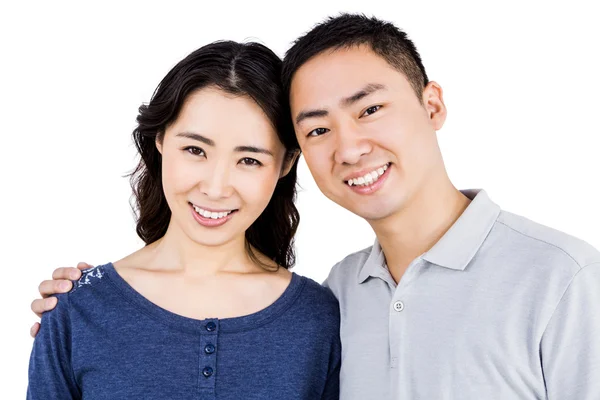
{"x":327,"y":80}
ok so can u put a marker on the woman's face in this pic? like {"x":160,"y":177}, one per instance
{"x":221,"y":160}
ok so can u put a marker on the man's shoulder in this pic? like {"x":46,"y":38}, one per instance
{"x":549,"y":242}
{"x":346,"y":270}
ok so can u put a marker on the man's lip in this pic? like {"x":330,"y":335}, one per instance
{"x":364,"y":171}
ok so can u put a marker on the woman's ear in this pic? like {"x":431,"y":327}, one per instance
{"x":158,"y":143}
{"x":288,"y":162}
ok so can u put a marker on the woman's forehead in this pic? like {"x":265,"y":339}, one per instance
{"x":225,"y":117}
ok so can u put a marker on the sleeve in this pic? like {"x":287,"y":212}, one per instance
{"x":570,"y":346}
{"x":332,"y":386}
{"x":50,"y":370}
{"x":331,"y":281}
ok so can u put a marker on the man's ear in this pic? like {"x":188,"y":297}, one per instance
{"x":289,"y":161}
{"x":433,"y":100}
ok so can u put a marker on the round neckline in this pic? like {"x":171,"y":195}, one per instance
{"x":230,"y":324}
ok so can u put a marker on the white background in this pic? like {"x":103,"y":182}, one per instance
{"x":521,"y":85}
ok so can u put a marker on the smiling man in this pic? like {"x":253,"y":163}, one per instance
{"x":457,"y":298}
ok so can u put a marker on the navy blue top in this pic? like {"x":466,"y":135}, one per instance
{"x":104,"y":340}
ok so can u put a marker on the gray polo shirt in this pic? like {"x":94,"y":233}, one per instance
{"x":499,"y":308}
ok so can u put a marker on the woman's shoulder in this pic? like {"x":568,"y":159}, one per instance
{"x":319,"y":301}
{"x":85,"y":291}
{"x":319,"y":292}
{"x":90,"y":278}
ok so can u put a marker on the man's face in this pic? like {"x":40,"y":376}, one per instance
{"x":368,"y":140}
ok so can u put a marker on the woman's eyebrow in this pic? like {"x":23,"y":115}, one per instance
{"x":210,"y":142}
{"x":198,"y":137}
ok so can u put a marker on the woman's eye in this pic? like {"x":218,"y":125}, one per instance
{"x":370,"y":110}
{"x":317,"y":132}
{"x":250,"y":161}
{"x":197,"y":151}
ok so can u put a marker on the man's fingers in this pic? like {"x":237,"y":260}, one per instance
{"x":34,"y":329}
{"x":40,"y":306}
{"x":48,"y":288}
{"x":37,"y":306}
{"x":66,"y":273}
{"x":83,"y":265}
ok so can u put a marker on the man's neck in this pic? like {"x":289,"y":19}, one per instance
{"x":415,"y":229}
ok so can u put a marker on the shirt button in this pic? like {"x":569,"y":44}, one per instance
{"x":209,"y":349}
{"x":207,"y":372}
{"x":211,"y":326}
{"x":398,"y":306}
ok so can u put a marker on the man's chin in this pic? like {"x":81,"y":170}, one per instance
{"x":371,"y":213}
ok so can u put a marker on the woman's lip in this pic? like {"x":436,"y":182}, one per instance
{"x":212,"y":209}
{"x":210,"y":222}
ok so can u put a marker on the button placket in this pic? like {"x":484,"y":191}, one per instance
{"x":397,"y":311}
{"x":208,"y":357}
{"x":396,"y":330}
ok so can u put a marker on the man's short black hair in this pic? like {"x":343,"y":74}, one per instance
{"x":348,"y":30}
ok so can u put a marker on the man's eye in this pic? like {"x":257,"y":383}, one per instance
{"x":317,"y":132}
{"x":250,"y":161}
{"x":197,"y":151}
{"x":370,"y":110}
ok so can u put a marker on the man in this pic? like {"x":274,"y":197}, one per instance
{"x":456,"y":298}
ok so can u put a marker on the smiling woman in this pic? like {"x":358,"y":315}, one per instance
{"x":208,"y":306}
{"x":186,"y":116}
{"x":229,"y":167}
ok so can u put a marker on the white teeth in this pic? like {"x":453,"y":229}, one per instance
{"x":368,"y":178}
{"x":210,"y":214}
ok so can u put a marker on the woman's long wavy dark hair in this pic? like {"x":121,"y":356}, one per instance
{"x":243,"y":69}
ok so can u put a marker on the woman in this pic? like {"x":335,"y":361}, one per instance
{"x":207,"y":309}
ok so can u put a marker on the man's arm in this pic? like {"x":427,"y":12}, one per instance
{"x":570,"y":347}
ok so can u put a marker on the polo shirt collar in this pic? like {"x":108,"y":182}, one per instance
{"x":375,"y":266}
{"x":462,"y":241}
{"x":457,"y":247}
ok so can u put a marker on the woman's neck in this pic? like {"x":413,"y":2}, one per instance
{"x":177,"y":252}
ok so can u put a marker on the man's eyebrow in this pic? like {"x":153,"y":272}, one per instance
{"x":198,"y":137}
{"x":311,"y":114}
{"x":253,"y":149}
{"x":365,"y":91}
{"x":345,"y":102}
